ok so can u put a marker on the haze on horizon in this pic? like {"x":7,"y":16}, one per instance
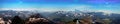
{"x":90,"y":5}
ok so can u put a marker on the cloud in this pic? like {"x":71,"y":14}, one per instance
{"x":35,"y":9}
{"x":105,"y":12}
{"x":18,"y":9}
{"x":80,"y":7}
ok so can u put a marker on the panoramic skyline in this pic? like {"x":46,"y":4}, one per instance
{"x":109,"y":6}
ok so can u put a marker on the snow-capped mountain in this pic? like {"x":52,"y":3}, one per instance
{"x":60,"y":15}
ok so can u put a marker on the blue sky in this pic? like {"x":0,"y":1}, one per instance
{"x":92,"y":5}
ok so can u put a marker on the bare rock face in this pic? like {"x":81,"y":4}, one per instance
{"x":37,"y":19}
{"x":2,"y":21}
{"x":17,"y":20}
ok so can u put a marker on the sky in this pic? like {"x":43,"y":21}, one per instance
{"x":108,"y":6}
